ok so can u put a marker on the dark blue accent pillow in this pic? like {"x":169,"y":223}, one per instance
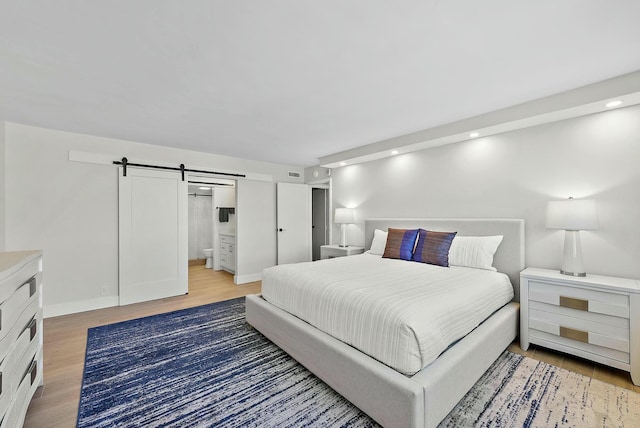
{"x":400,"y":243}
{"x":433,"y":247}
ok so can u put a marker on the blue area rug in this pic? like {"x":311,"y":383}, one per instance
{"x":206,"y":367}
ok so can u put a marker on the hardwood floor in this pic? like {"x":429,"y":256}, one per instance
{"x":578,"y":365}
{"x":55,"y":404}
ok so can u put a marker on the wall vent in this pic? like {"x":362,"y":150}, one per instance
{"x":294,"y":174}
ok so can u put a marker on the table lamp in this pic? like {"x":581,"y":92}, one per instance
{"x":343,"y":217}
{"x":572,"y":216}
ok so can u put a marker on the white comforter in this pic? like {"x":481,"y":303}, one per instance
{"x":401,"y":313}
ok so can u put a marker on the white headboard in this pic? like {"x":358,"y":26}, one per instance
{"x":509,"y":258}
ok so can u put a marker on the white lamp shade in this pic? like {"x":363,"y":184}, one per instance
{"x":572,"y":214}
{"x":344,"y":216}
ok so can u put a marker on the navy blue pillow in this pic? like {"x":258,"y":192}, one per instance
{"x":433,"y":247}
{"x":400,"y":243}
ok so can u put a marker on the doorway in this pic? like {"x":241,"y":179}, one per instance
{"x":212,"y":219}
{"x":319,"y":220}
{"x":200,"y":222}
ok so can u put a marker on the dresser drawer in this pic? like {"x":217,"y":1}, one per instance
{"x":13,"y":364}
{"x":25,"y":387}
{"x":16,"y":330}
{"x":15,"y":304}
{"x":580,"y":299}
{"x":17,"y":279}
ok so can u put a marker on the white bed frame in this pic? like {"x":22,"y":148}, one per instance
{"x":389,"y":397}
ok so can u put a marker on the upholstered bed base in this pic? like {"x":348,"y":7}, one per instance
{"x":389,"y":397}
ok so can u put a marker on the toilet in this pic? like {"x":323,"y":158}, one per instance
{"x":208,"y":254}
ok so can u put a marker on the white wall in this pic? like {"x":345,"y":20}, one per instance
{"x":513,"y":175}
{"x":70,"y":209}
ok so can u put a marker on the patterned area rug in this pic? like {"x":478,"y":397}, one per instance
{"x":206,"y":367}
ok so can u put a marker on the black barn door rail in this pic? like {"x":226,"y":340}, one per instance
{"x":125,"y":163}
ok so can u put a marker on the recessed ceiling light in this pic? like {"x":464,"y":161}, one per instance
{"x":611,"y":104}
{"x":394,"y":152}
{"x":343,"y":163}
{"x":474,"y":134}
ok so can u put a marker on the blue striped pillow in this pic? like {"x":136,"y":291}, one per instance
{"x":433,"y":247}
{"x":400,"y":243}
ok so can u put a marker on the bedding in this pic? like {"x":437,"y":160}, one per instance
{"x":379,"y":242}
{"x":474,"y":251}
{"x":402,"y":313}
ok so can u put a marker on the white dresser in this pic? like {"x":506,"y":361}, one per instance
{"x":20,"y":333}
{"x":228,"y":252}
{"x":593,"y":317}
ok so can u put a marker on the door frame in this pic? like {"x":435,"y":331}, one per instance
{"x":325,"y":183}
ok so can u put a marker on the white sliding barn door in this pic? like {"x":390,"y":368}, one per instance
{"x":153,"y":235}
{"x":294,"y":223}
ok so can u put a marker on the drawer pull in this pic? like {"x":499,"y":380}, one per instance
{"x":33,"y":326}
{"x":570,"y":333}
{"x":0,"y":383}
{"x":33,"y":370}
{"x":32,"y":286}
{"x":572,"y":303}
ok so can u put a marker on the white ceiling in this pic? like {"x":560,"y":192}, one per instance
{"x":293,"y":81}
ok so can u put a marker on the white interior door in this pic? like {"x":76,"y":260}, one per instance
{"x":153,"y":235}
{"x":294,"y":222}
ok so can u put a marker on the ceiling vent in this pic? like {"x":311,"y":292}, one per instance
{"x":293,"y":174}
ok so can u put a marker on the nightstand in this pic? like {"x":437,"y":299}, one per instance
{"x":593,"y":317}
{"x":331,"y":251}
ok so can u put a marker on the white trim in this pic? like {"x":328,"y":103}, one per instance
{"x":79,"y":306}
{"x":106,"y":159}
{"x":243,"y":279}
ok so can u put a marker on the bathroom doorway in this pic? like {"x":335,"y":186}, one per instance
{"x":200,"y":222}
{"x":212,"y":222}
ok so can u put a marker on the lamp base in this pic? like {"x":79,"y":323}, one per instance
{"x":343,"y":235}
{"x":572,"y":259}
{"x":573,"y":273}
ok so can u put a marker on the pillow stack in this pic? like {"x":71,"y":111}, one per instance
{"x":436,"y":248}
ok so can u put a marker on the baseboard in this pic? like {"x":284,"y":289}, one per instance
{"x":243,"y":279}
{"x":79,"y":306}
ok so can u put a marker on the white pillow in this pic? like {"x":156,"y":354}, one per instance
{"x":379,"y":242}
{"x":474,"y":251}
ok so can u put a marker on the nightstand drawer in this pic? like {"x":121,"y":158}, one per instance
{"x":589,"y":350}
{"x":581,"y":330}
{"x":580,"y":299}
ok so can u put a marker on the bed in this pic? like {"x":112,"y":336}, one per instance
{"x":419,"y":398}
